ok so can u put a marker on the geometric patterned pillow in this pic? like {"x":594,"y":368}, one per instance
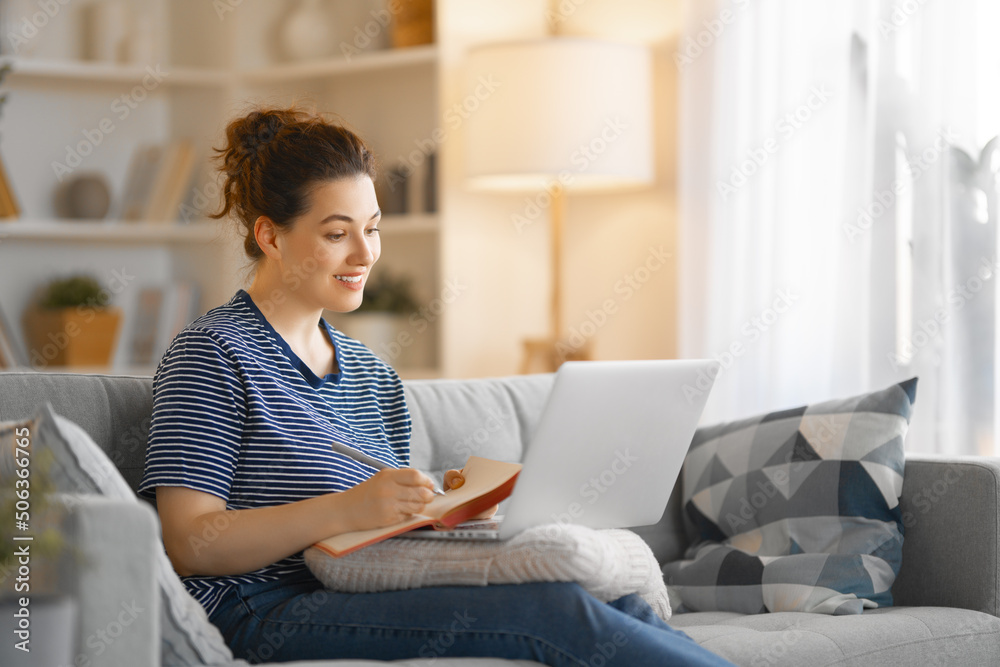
{"x":796,"y":510}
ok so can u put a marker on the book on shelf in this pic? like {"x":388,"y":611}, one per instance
{"x":159,"y":175}
{"x":487,"y":482}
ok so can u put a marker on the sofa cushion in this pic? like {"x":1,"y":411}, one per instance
{"x":79,"y":466}
{"x":888,"y":636}
{"x":797,"y":510}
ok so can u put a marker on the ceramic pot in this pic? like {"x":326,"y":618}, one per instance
{"x":307,"y":32}
{"x":71,"y":336}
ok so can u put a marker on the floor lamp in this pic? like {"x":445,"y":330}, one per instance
{"x":565,"y":115}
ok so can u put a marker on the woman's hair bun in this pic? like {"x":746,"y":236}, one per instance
{"x":275,"y":155}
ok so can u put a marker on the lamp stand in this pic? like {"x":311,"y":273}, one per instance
{"x":551,"y":352}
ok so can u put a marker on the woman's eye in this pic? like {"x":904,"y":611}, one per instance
{"x":335,"y":237}
{"x":372,"y":232}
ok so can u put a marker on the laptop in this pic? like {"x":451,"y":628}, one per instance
{"x":607,"y":450}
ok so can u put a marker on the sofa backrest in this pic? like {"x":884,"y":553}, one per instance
{"x":452,"y":420}
{"x":114,"y":410}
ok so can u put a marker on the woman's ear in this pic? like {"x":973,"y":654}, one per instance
{"x":266,"y":233}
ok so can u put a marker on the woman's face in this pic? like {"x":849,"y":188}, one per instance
{"x":330,"y":250}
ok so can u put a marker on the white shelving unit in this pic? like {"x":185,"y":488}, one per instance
{"x":208,"y":68}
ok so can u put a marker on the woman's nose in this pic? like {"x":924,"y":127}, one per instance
{"x":362,"y":251}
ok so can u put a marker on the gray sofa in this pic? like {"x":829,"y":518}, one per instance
{"x":947,"y":594}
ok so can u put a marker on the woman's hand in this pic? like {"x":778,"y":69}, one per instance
{"x":454,"y":479}
{"x":390,"y":496}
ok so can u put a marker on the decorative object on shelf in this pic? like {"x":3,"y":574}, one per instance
{"x":140,"y":46}
{"x":430,"y":183}
{"x":83,"y":197}
{"x":71,"y":324}
{"x":561,"y":94}
{"x":413,"y":23}
{"x":8,"y":202}
{"x":307,"y":31}
{"x":392,"y":192}
{"x":387,"y":305}
{"x":106,"y":26}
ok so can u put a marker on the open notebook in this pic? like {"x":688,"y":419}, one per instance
{"x":487,"y":482}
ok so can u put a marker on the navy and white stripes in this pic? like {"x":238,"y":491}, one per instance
{"x":237,"y":414}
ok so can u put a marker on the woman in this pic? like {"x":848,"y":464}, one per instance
{"x":246,"y":401}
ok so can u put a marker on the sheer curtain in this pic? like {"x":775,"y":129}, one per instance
{"x":834,"y":194}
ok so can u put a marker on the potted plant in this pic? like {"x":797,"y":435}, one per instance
{"x":34,"y":613}
{"x":71,"y":324}
{"x":381,"y":319}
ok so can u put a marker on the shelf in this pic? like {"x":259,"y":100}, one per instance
{"x":416,"y":223}
{"x":77,"y":71}
{"x":109,"y":231}
{"x":366,"y":62}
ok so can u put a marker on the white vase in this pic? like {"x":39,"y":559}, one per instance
{"x":307,"y":32}
{"x":106,"y":24}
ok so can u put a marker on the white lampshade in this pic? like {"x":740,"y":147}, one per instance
{"x":576,"y":111}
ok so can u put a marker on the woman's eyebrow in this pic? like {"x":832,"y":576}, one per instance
{"x":340,"y":217}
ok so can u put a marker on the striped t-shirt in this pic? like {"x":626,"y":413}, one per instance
{"x":237,"y":414}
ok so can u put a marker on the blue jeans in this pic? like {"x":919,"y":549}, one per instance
{"x":295,"y":618}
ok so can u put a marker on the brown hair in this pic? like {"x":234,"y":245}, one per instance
{"x":274,"y":157}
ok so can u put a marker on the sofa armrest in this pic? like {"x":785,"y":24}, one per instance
{"x":111,"y":572}
{"x":951,"y":546}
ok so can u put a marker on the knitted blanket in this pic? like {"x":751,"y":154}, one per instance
{"x":607,"y":563}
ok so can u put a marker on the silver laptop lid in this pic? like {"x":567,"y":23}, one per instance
{"x":610,"y":443}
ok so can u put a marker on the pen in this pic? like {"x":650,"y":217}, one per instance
{"x":361,"y":457}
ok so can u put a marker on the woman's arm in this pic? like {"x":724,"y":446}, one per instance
{"x":203,"y":537}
